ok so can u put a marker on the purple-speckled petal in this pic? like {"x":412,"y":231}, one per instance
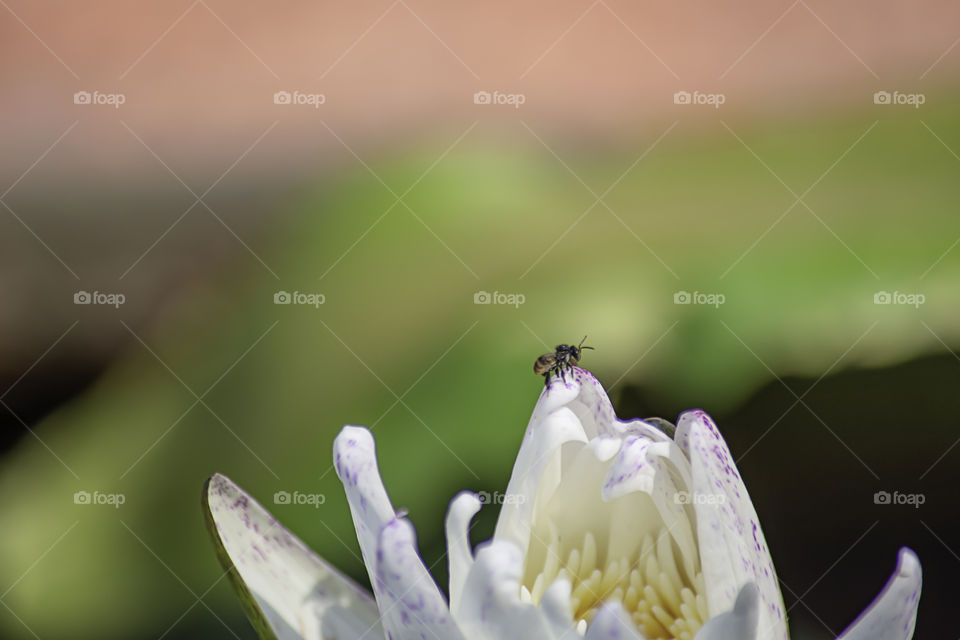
{"x":412,"y":606}
{"x":893,"y":614}
{"x":592,"y":405}
{"x":633,"y":470}
{"x":459,"y":555}
{"x":295,"y":593}
{"x":355,"y":459}
{"x":733,"y":550}
{"x":613,"y":623}
{"x":492,"y":609}
{"x":740,"y":623}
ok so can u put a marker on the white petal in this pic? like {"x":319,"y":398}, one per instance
{"x":555,"y":607}
{"x":491,"y":608}
{"x":682,"y":435}
{"x":575,"y":409}
{"x":893,"y":614}
{"x":733,"y":551}
{"x":738,"y":624}
{"x":283,"y":585}
{"x":613,"y":623}
{"x":537,"y":467}
{"x":459,"y":555}
{"x":411,"y":605}
{"x":355,"y":458}
{"x":659,"y":470}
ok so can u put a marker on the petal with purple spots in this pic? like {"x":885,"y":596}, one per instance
{"x":355,"y":459}
{"x":893,"y":614}
{"x":287,"y":591}
{"x":733,"y":550}
{"x":410,"y":603}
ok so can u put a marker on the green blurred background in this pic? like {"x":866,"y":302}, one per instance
{"x":824,"y":396}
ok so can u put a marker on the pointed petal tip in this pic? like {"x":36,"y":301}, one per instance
{"x":908,"y":563}
{"x":742,"y":622}
{"x":214,"y":482}
{"x":747,"y":598}
{"x":612,"y":623}
{"x":218,"y":491}
{"x":893,"y":613}
{"x":695,"y":415}
{"x":283,"y":586}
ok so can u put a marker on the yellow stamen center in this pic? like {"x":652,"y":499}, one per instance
{"x":655,"y":592}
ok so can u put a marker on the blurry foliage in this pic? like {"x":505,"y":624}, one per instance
{"x":401,"y":297}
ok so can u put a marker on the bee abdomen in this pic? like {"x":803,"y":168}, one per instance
{"x":543,"y":364}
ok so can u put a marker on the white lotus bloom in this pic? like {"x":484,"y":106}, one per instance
{"x":609,"y":529}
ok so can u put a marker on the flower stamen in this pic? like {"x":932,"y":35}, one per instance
{"x":661,"y":599}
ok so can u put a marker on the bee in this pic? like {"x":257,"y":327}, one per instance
{"x":564,"y":357}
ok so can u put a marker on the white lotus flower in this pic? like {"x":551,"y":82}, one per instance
{"x":610,"y":529}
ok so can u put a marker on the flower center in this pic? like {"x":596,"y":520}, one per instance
{"x":655,"y":592}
